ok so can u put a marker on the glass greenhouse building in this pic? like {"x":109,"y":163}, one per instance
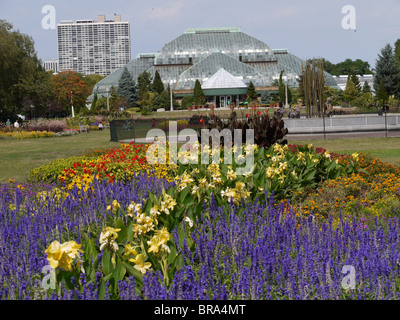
{"x":224,"y":60}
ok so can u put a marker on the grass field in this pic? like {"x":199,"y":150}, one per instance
{"x":18,"y":157}
{"x":386,"y":149}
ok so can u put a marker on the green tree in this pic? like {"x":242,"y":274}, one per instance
{"x":38,"y":88}
{"x":397,"y":51}
{"x":357,"y":66}
{"x":251,"y":92}
{"x":21,"y":73}
{"x":127,"y":88}
{"x":281,"y":88}
{"x":198,"y":95}
{"x":351,"y":92}
{"x":70,"y":90}
{"x":382,"y":94}
{"x":354,"y":78}
{"x":94,"y":102}
{"x":366,"y":88}
{"x":327,"y":65}
{"x":144,"y":86}
{"x":187,"y":101}
{"x":158,"y":85}
{"x":387,"y":71}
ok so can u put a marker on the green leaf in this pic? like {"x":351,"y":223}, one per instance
{"x":102,"y":290}
{"x":122,"y":234}
{"x":106,"y":262}
{"x":310,"y":175}
{"x":119,"y":272}
{"x":134,"y":272}
{"x":184,"y":193}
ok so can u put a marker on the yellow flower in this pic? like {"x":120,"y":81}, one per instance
{"x":129,"y":250}
{"x":146,"y":222}
{"x":159,"y":241}
{"x":114,"y":206}
{"x":62,"y":255}
{"x":231,"y":175}
{"x":140,"y":263}
{"x":168,"y":204}
{"x":270,"y":172}
{"x":155,"y":211}
{"x":301,"y":156}
{"x":355,"y":156}
{"x":228,"y":193}
{"x":240,"y":185}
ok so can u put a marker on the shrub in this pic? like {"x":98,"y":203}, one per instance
{"x":267,"y":130}
{"x":50,"y":172}
{"x":45,"y":125}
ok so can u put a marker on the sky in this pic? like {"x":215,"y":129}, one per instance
{"x":308,"y":28}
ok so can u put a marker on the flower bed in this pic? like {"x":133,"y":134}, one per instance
{"x":27,"y":134}
{"x":118,"y":227}
{"x":236,"y":252}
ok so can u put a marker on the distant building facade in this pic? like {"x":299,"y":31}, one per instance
{"x":94,"y":47}
{"x":51,"y":65}
{"x":342,"y":81}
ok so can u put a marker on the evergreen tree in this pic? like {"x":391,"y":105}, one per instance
{"x":144,"y":84}
{"x":158,"y":85}
{"x":354,"y":78}
{"x":382,"y":94}
{"x":387,"y":71}
{"x":127,"y":88}
{"x":351,"y":92}
{"x":282,"y":95}
{"x":251,"y":92}
{"x":94,"y":102}
{"x":198,"y":95}
{"x":289,"y":95}
{"x":397,"y":51}
{"x":366,"y":88}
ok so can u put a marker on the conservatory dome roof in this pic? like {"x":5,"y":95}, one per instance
{"x":200,"y":53}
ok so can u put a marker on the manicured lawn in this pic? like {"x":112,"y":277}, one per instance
{"x":19,"y":156}
{"x":386,"y":149}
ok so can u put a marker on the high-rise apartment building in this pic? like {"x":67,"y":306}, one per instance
{"x":93,"y":47}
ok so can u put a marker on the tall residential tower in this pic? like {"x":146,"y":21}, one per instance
{"x":93,"y":47}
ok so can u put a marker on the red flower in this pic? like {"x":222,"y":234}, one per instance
{"x":247,"y":115}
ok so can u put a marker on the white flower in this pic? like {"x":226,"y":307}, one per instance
{"x":194,"y":189}
{"x":189,"y":221}
{"x":134,"y":207}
